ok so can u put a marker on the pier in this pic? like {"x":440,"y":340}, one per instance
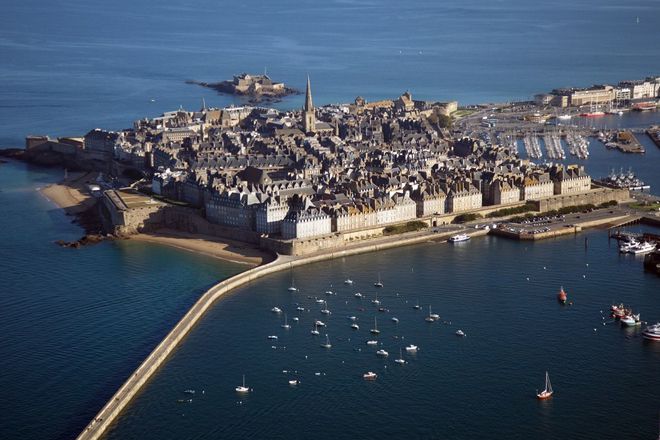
{"x":132,"y":386}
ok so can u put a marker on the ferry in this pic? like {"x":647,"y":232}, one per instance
{"x":458,"y":238}
{"x":592,"y":114}
{"x":644,"y":106}
{"x":652,"y":332}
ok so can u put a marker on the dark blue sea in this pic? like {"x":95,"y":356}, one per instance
{"x":75,"y":323}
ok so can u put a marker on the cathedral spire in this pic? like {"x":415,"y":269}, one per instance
{"x":309,"y":118}
{"x":308,"y":97}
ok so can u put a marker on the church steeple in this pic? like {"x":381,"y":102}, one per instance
{"x":309,"y":106}
{"x":309,"y":118}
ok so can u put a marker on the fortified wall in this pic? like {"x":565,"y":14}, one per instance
{"x":595,"y":197}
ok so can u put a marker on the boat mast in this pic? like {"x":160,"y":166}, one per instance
{"x":548,"y":385}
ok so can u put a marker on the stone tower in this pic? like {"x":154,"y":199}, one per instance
{"x":309,"y":119}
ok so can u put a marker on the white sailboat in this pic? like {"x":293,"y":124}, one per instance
{"x":242,"y":388}
{"x":292,"y":287}
{"x":379,"y":282}
{"x":327,"y":343}
{"x":325,"y":309}
{"x":375,"y":301}
{"x":417,"y":306}
{"x":286,"y":323}
{"x":375,"y":330}
{"x":401,"y":360}
{"x":435,"y":316}
{"x":430,"y":318}
{"x":315,"y":330}
{"x":547,"y":392}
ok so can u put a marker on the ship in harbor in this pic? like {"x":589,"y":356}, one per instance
{"x":624,"y":181}
{"x":645,"y":106}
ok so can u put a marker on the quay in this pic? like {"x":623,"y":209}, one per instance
{"x":654,"y":134}
{"x":113,"y":408}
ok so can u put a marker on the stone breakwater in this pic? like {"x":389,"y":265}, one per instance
{"x":113,"y":408}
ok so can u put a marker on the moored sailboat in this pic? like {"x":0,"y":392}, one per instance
{"x":547,"y":392}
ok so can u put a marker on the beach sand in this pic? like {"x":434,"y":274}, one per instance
{"x":71,"y":194}
{"x":224,"y":249}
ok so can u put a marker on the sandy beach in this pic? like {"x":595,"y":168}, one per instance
{"x":71,"y":194}
{"x":215,"y":247}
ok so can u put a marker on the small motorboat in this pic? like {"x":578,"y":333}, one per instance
{"x":272,"y":337}
{"x":630,"y":321}
{"x":358,"y":295}
{"x":372,"y":342}
{"x":276,"y":310}
{"x":300,"y":309}
{"x":319,"y":323}
{"x":395,"y":319}
{"x":355,"y":326}
{"x":547,"y":392}
{"x":458,"y":238}
{"x":352,"y":318}
{"x":652,"y":332}
{"x":296,"y":319}
{"x":348,"y":281}
{"x":328,"y":292}
{"x":382,"y":352}
{"x":411,"y":348}
{"x":320,"y":301}
{"x":561,"y":296}
{"x":189,"y":391}
{"x":294,"y":382}
{"x":618,"y":311}
{"x":369,"y":376}
{"x":460,"y":333}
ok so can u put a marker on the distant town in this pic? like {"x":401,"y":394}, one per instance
{"x":319,"y":178}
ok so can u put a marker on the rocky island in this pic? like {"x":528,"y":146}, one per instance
{"x":256,"y":87}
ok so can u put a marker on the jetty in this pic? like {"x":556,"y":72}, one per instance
{"x":132,"y":386}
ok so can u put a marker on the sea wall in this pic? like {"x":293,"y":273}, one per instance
{"x":113,"y":408}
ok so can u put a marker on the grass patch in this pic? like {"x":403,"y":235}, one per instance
{"x":645,"y":206}
{"x":468,"y":217}
{"x":407,"y":227}
{"x":510,"y":211}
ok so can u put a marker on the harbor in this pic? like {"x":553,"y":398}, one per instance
{"x":330,"y":380}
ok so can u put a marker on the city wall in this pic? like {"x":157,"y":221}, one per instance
{"x":594,"y":197}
